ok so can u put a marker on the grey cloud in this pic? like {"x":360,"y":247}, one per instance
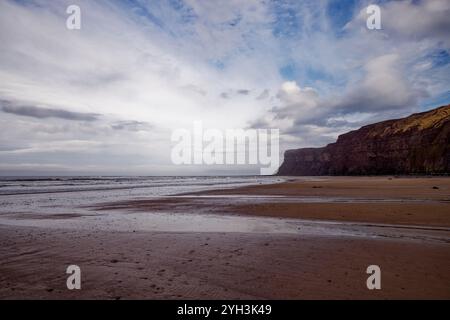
{"x":42,"y":113}
{"x":263,"y":95}
{"x":243,"y":92}
{"x":96,"y":80}
{"x":381,"y":107}
{"x":225,"y":95}
{"x":233,"y":93}
{"x":359,"y":102}
{"x":131,"y":125}
{"x":420,"y":20}
{"x":362,"y":99}
{"x":5,"y":146}
{"x":195,"y":89}
{"x":259,"y":124}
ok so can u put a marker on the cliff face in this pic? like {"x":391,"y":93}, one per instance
{"x":418,"y":144}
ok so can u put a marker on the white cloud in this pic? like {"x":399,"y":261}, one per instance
{"x":297,"y":103}
{"x":153,"y":67}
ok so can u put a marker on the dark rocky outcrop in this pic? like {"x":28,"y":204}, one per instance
{"x":418,"y":144}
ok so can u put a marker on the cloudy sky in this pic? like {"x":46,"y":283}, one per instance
{"x":105,"y":99}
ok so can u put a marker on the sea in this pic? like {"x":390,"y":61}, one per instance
{"x":49,"y":194}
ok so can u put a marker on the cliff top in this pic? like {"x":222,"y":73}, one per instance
{"x":417,"y":122}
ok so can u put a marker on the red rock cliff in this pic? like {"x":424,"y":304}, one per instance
{"x":418,"y":144}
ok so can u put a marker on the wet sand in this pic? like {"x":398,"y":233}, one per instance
{"x":123,"y":265}
{"x":384,"y":200}
{"x":139,"y":263}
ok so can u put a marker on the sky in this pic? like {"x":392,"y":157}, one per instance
{"x":104,"y":100}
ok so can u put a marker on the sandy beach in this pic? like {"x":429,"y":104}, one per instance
{"x":301,"y":239}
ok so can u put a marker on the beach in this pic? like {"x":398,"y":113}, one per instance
{"x":293,"y":238}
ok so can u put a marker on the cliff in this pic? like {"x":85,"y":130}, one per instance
{"x":418,"y":144}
